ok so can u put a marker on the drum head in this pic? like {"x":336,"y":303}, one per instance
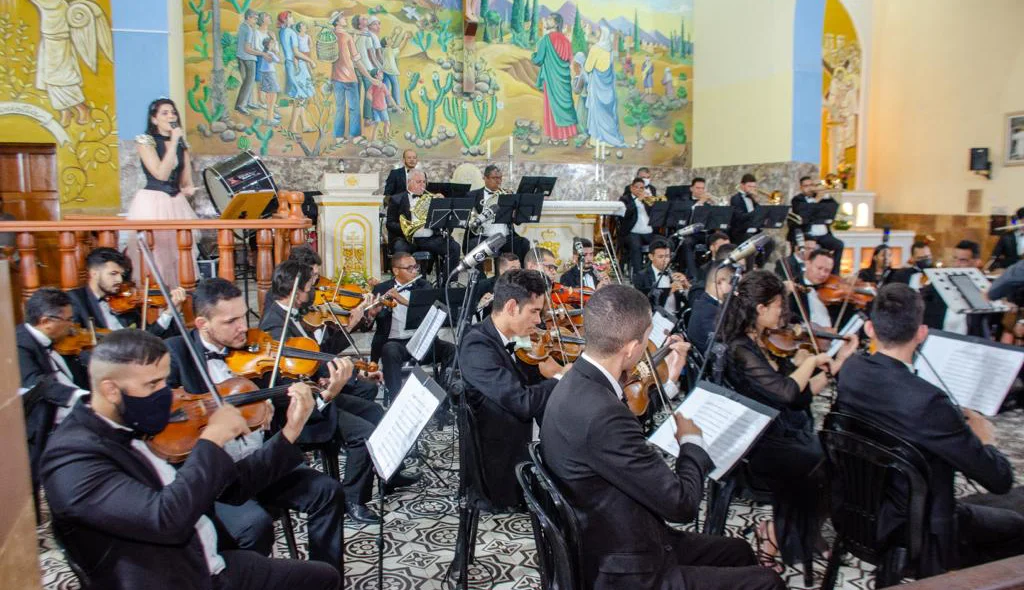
{"x":243,"y":172}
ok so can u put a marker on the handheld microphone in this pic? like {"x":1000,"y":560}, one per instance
{"x":174,"y":125}
{"x":577,"y":247}
{"x":749,"y":247}
{"x":483,"y":251}
{"x":689,"y":230}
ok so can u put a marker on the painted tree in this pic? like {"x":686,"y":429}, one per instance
{"x":636,"y":32}
{"x":516,"y":18}
{"x":579,"y":38}
{"x":682,"y":37}
{"x":621,"y":43}
{"x":483,"y":18}
{"x":672,"y":44}
{"x":533,"y":22}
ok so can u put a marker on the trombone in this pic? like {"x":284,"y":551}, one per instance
{"x":771,"y":198}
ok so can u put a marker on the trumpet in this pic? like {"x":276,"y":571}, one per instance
{"x":824,"y":186}
{"x":418,"y":215}
{"x":771,"y":198}
{"x":488,"y":210}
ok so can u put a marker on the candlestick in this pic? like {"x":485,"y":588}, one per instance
{"x":488,"y":149}
{"x":511,"y":144}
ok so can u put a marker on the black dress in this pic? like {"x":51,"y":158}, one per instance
{"x":788,"y":456}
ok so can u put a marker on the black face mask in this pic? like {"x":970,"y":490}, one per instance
{"x":147,"y":415}
{"x":924,"y":263}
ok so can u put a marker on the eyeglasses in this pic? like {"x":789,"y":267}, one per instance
{"x":408,"y":268}
{"x":61,"y":318}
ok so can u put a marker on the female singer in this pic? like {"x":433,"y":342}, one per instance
{"x":788,"y":457}
{"x":168,"y":169}
{"x":881,"y":260}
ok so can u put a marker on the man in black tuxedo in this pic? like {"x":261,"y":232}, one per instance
{"x":128,"y":517}
{"x":705,"y":304}
{"x":966,"y":254}
{"x":590,"y":278}
{"x":391,"y":336}
{"x":719,"y":247}
{"x":920,"y":259}
{"x":220,"y":328}
{"x":663,"y":287}
{"x":1010,"y":247}
{"x":106,"y":268}
{"x":884,"y":389}
{"x":50,"y":383}
{"x":543,"y":261}
{"x":686,"y":256}
{"x":401,"y":205}
{"x":797,"y":259}
{"x":618,"y":484}
{"x":397,"y":178}
{"x":484,"y":292}
{"x":505,"y":400}
{"x":486,"y":197}
{"x":744,"y":205}
{"x":816,"y":271}
{"x":352,"y":415}
{"x":822,"y":233}
{"x":635,"y":229}
{"x":644,"y":174}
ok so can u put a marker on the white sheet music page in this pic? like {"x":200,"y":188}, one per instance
{"x":730,"y":428}
{"x":852,"y":327}
{"x":398,"y":430}
{"x":662,"y":327}
{"x":978,"y":374}
{"x":425,"y":335}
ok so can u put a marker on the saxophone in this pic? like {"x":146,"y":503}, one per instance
{"x":488,"y":210}
{"x":418,"y":215}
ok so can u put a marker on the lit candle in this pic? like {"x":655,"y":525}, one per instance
{"x":488,"y":149}
{"x":511,"y":144}
{"x":604,"y":151}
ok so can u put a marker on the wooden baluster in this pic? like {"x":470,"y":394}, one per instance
{"x":29,"y":267}
{"x":295,"y":200}
{"x":82,"y":251}
{"x":67,"y":244}
{"x":226,"y":248}
{"x":280,"y":247}
{"x":143,"y":270}
{"x":107,"y":238}
{"x":186,"y":262}
{"x":264,"y":262}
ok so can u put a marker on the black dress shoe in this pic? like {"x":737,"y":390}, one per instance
{"x":361,"y":514}
{"x":401,"y":480}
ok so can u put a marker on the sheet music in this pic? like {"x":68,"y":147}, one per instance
{"x":662,"y":327}
{"x":977,"y":373}
{"x":425,"y":335}
{"x":402,"y":424}
{"x":731,"y":425}
{"x":853,"y":325}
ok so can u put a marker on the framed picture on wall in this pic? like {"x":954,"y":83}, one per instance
{"x":1014,"y":148}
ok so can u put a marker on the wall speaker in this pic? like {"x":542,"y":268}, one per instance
{"x":979,"y":159}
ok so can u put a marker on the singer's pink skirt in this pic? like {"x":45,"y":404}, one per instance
{"x":149,"y":204}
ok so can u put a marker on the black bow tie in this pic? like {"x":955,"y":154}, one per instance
{"x":215,"y":356}
{"x":511,"y":347}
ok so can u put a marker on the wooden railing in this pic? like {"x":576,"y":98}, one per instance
{"x":77,"y":235}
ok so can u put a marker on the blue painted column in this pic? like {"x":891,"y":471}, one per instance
{"x":809,"y":22}
{"x":141,"y":74}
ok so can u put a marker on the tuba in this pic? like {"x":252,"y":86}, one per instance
{"x":418,"y":215}
{"x":488,"y":210}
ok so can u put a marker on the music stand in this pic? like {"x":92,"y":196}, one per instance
{"x":451,"y":190}
{"x":247,"y":205}
{"x":537,"y":185}
{"x":714,"y":218}
{"x":514,"y":209}
{"x":679,"y":192}
{"x":447,"y":214}
{"x":770,"y":216}
{"x":657,"y":216}
{"x":823,"y":213}
{"x":422,"y":300}
{"x":961,"y":289}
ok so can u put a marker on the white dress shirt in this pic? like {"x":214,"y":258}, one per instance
{"x":664,"y":281}
{"x":398,"y":314}
{"x":205,"y":530}
{"x":63,"y":373}
{"x":817,"y":310}
{"x":643,"y":222}
{"x":748,"y":203}
{"x":1020,"y":243}
{"x":817,"y":229}
{"x":238,"y":448}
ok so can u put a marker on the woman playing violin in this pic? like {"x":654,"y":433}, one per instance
{"x":788,"y":456}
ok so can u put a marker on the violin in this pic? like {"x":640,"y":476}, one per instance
{"x":79,"y":339}
{"x":557,"y":343}
{"x":564,"y":317}
{"x":785,"y":342}
{"x":191,"y":411}
{"x":577,"y":296}
{"x":859,"y":294}
{"x":300,"y":357}
{"x":637,"y":389}
{"x":347,"y":296}
{"x":129,"y":297}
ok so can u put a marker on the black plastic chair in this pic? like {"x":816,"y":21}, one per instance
{"x":70,"y":556}
{"x":288,"y":527}
{"x":327,"y":453}
{"x":567,"y":520}
{"x":865,"y":463}
{"x":472,"y":489}
{"x":553,"y":554}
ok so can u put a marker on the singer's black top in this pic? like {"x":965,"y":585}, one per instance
{"x":169,"y":186}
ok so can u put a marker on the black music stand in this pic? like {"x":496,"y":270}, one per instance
{"x":770,"y":216}
{"x":537,"y":185}
{"x":823,"y":213}
{"x":678,"y":192}
{"x":714,"y":218}
{"x":517,"y":208}
{"x":421,"y":300}
{"x":451,"y":190}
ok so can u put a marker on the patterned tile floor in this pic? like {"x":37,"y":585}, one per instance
{"x":422,"y":523}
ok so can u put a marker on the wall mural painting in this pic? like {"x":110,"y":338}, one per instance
{"x":298,"y":77}
{"x":57,"y":86}
{"x":841,"y":84}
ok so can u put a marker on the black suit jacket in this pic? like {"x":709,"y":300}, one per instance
{"x":398,"y":206}
{"x":628,"y":219}
{"x":571,"y":277}
{"x":85,"y":307}
{"x":923,"y":415}
{"x":703,"y":315}
{"x":395,"y":182}
{"x":506,"y":403}
{"x":802,"y":207}
{"x":741,"y":220}
{"x":1005,"y":252}
{"x":643,"y":281}
{"x":383,"y":319}
{"x":483,"y":286}
{"x":619,"y":485}
{"x":125,"y":528}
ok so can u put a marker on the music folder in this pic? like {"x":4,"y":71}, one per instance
{"x":450,"y":190}
{"x":977,"y":373}
{"x":730,"y":423}
{"x":401,"y":426}
{"x":714,"y":217}
{"x":519,"y":208}
{"x":770,"y":216}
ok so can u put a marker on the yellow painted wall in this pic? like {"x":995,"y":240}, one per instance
{"x":87,"y":151}
{"x":942,"y":76}
{"x":743,"y":81}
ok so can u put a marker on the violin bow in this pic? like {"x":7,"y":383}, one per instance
{"x":846,"y":301}
{"x":284,"y":331}
{"x":344,"y":331}
{"x":197,"y":359}
{"x":800,"y":307}
{"x":145,"y":301}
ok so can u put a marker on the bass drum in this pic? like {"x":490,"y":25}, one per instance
{"x":242,"y":173}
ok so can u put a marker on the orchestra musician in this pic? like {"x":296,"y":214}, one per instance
{"x":506,"y":402}
{"x":589,"y":278}
{"x":687,"y":255}
{"x":920,"y":259}
{"x":879,"y":271}
{"x":663,"y":287}
{"x":815,"y":272}
{"x":543,"y":261}
{"x":820,"y":232}
{"x":705,"y":304}
{"x":128,"y":517}
{"x":488,"y":195}
{"x":718,"y":248}
{"x":744,"y":204}
{"x":788,"y":457}
{"x":1010,"y":247}
{"x":401,"y":205}
{"x":221,"y":327}
{"x":884,"y":389}
{"x":397,"y":179}
{"x":50,"y":383}
{"x":797,"y":258}
{"x":106,"y":269}
{"x":619,"y":485}
{"x":635,"y":229}
{"x":644,"y":174}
